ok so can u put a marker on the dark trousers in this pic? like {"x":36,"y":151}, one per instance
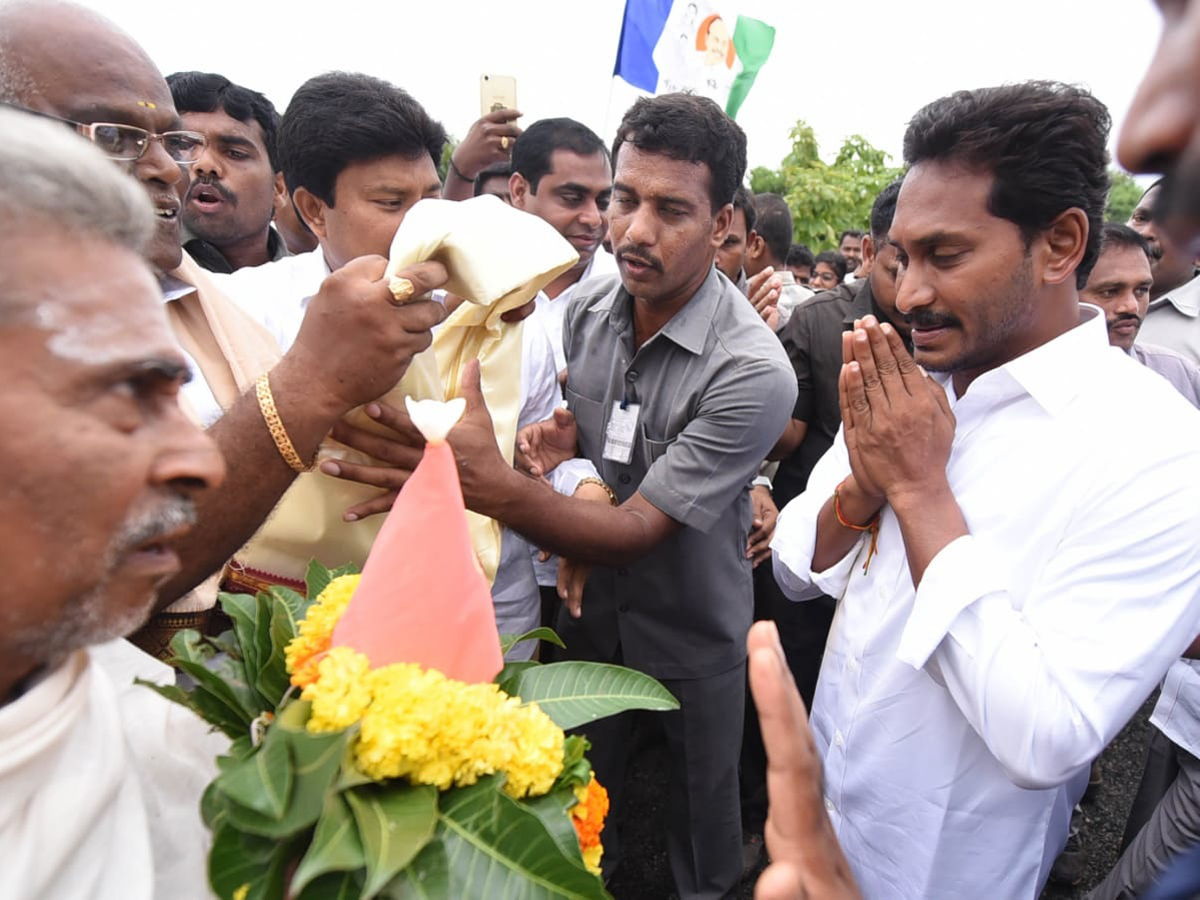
{"x":703,"y":737}
{"x":803,"y":630}
{"x":1162,"y":768}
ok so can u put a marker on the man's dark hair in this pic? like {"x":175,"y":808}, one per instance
{"x":835,"y":260}
{"x":744,"y":200}
{"x":341,"y":118}
{"x":800,"y":255}
{"x":851,"y":232}
{"x":487,"y":173}
{"x":533,"y":149}
{"x":1118,"y":234}
{"x":691,"y":129}
{"x":205,"y":92}
{"x":774,"y":224}
{"x":883,"y":210}
{"x":1044,"y":143}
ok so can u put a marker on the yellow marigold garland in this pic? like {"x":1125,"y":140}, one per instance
{"x":587,"y":815}
{"x":304,"y":652}
{"x":415,"y":723}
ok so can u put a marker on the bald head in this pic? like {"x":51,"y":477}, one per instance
{"x":69,"y":61}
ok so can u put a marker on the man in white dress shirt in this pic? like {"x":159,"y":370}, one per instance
{"x":1014,"y":574}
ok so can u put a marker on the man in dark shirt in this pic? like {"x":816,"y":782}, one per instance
{"x":813,"y":342}
{"x":228,"y":207}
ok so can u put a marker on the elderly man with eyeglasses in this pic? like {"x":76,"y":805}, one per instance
{"x":63,"y":61}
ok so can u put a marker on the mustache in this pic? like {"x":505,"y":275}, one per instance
{"x":927,"y":320}
{"x":215,"y":184}
{"x":639,"y":255}
{"x":144,"y":526}
{"x":1124,"y":317}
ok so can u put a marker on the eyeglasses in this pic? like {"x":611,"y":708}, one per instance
{"x":128,"y":142}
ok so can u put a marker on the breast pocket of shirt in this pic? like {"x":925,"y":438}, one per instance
{"x":652,"y":449}
{"x":589,"y":421}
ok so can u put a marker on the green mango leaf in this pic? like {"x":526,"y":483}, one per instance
{"x":335,"y":886}
{"x":262,"y":781}
{"x":575,"y":693}
{"x":239,"y":859}
{"x":214,"y":808}
{"x":496,"y":847}
{"x":318,"y":577}
{"x":395,"y":821}
{"x":262,"y":642}
{"x":273,"y":680}
{"x":508,"y":641}
{"x":243,"y":609}
{"x":314,"y":759}
{"x":554,"y":811}
{"x":576,"y":769}
{"x":511,"y":672}
{"x":220,"y":695}
{"x":336,"y":845}
{"x":297,"y":604}
{"x":425,"y":878}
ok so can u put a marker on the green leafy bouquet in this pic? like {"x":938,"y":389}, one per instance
{"x":347,"y":781}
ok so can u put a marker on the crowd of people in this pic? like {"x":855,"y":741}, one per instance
{"x":952,"y":461}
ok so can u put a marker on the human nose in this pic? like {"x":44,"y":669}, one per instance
{"x":1125,"y":302}
{"x":1162,"y":119}
{"x":187,"y":457}
{"x":639,"y":227}
{"x":208,"y":162}
{"x":155,"y":164}
{"x":912,"y":291}
{"x":590,"y":214}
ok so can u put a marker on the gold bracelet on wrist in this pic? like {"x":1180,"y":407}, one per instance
{"x":283,"y":443}
{"x":612,"y":495}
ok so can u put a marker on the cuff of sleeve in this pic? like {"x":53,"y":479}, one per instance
{"x":955,"y":579}
{"x":792,"y":550}
{"x":566,"y":476}
{"x":761,"y":480}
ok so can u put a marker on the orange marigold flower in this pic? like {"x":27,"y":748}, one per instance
{"x":306,"y":650}
{"x":587,"y":815}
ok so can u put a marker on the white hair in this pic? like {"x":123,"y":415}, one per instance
{"x":49,"y":175}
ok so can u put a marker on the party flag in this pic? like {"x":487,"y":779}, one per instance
{"x":672,"y":45}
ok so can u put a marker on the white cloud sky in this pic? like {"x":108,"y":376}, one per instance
{"x":846,"y":67}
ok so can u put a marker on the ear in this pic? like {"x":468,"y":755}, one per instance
{"x":754,"y":245}
{"x":721,"y":222}
{"x":1063,"y":246}
{"x":868,"y":254}
{"x":311,"y":209}
{"x":279,"y":194}
{"x":518,"y":190}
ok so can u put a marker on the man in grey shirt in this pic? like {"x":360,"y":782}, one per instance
{"x":678,"y":391}
{"x":1173,"y":317}
{"x":1120,"y":284}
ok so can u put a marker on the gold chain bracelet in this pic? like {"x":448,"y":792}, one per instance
{"x":283,"y":443}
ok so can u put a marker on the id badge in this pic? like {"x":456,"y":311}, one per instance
{"x":621,"y":430}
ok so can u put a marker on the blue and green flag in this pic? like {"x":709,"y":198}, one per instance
{"x":708,"y":48}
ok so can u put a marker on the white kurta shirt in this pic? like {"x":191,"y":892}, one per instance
{"x":956,"y":721}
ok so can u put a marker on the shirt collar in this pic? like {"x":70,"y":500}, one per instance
{"x":1054,"y":373}
{"x":1185,"y":298}
{"x":173,"y":287}
{"x":689,"y":327}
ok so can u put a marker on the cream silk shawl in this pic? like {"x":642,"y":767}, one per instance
{"x":498,"y":258}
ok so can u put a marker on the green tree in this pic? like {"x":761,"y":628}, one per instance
{"x":447,"y":151}
{"x":1122,"y":197}
{"x":826,"y":198}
